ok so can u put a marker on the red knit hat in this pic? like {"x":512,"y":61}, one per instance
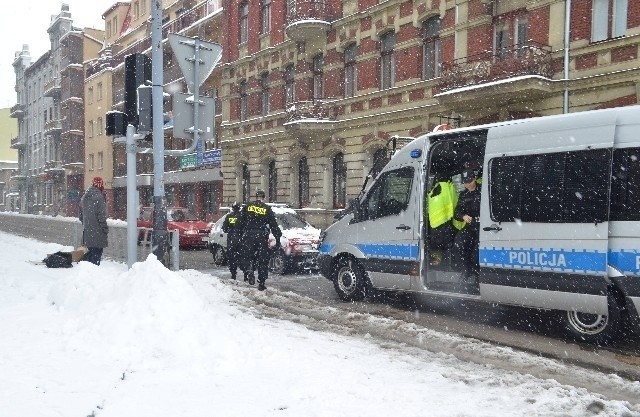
{"x":98,"y":183}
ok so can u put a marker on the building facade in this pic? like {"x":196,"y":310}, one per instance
{"x":50,"y":113}
{"x":313,"y":90}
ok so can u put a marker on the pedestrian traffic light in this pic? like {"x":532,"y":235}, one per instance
{"x":137,"y":72}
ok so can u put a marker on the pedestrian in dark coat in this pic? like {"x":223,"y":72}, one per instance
{"x":234,"y":235}
{"x":467,"y":239}
{"x":93,"y":215}
{"x":256,"y":219}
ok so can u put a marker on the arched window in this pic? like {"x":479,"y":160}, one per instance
{"x":431,"y":48}
{"x":265,"y":16}
{"x":273,"y":182}
{"x":380,"y":159}
{"x":303,"y":184}
{"x":339,"y":181}
{"x":246,"y":183}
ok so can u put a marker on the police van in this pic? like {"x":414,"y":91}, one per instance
{"x":559,"y":224}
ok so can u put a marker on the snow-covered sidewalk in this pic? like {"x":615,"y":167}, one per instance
{"x":105,"y":341}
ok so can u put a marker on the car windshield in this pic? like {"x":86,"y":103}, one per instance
{"x":180,"y":215}
{"x":291,"y":221}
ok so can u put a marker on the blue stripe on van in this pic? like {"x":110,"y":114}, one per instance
{"x":544,"y":259}
{"x":625,"y":261}
{"x":381,"y":251}
{"x":390,"y":251}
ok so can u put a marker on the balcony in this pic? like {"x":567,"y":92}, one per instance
{"x":307,"y":19}
{"x":54,"y":169}
{"x":18,"y":111}
{"x":17,"y":143}
{"x":53,"y":127}
{"x":53,"y":88}
{"x":520,"y":70}
{"x":310,"y":120}
{"x":19,"y":177}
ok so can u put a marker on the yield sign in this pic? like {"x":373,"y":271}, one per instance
{"x":196,"y":58}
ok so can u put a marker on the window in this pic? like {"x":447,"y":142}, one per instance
{"x":387,"y":60}
{"x":431,"y":48}
{"x":100,"y":160}
{"x":90,"y":95}
{"x":143,"y":7}
{"x":273,"y":182}
{"x":100,"y":131}
{"x":389,"y":195}
{"x":91,"y":162}
{"x":264,"y":93}
{"x":380,"y":159}
{"x":246,"y":183}
{"x":318,"y":64}
{"x":109,"y":29}
{"x":90,"y":133}
{"x":136,"y":10}
{"x":244,"y":22}
{"x":265,"y":16}
{"x":625,"y":185}
{"x":350,"y":70}
{"x":289,"y":84}
{"x":211,"y":198}
{"x":243,"y":100}
{"x":303,"y":182}
{"x":115,"y":25}
{"x":609,"y":19}
{"x":511,"y":33}
{"x":339,"y":181}
{"x":99,"y":91}
{"x":567,"y":187}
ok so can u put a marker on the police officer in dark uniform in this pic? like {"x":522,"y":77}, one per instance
{"x":467,"y":239}
{"x":256,"y":219}
{"x":230,"y":227}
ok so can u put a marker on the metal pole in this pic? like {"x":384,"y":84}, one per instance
{"x":132,"y":235}
{"x":159,"y":237}
{"x":567,"y":45}
{"x":196,"y":95}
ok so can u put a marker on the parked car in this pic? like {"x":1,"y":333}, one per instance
{"x":299,"y":241}
{"x":194,"y":233}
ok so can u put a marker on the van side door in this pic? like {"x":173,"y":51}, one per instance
{"x":386,"y":229}
{"x":544,"y":212}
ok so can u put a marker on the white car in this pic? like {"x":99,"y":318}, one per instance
{"x":299,"y":241}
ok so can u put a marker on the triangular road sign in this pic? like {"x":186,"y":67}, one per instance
{"x":209,"y":55}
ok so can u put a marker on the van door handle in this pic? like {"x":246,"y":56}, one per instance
{"x":403,"y":227}
{"x":492,"y":228}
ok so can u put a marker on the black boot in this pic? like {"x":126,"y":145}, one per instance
{"x":252,"y":278}
{"x":261,"y":286}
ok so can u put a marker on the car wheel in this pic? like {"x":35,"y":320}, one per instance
{"x":349,"y":279}
{"x":595,"y":329}
{"x":219,"y":255}
{"x":278,"y":263}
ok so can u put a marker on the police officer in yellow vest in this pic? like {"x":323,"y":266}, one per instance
{"x":256,"y":219}
{"x":230,"y":227}
{"x":441,"y":204}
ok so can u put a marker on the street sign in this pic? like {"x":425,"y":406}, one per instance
{"x":208,"y":55}
{"x":183,"y":117}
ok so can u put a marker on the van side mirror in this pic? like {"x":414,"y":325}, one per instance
{"x":354,"y":206}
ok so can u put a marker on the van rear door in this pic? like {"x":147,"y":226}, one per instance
{"x":544,"y":212}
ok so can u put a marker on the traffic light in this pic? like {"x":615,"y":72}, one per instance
{"x":116,"y":123}
{"x":137,"y":72}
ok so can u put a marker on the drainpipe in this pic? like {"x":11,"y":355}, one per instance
{"x":567,"y":45}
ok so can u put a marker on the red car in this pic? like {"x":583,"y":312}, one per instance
{"x":194,"y":233}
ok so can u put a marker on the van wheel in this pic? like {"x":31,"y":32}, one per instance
{"x":595,"y":329}
{"x":219,"y":255}
{"x":349,"y":279}
{"x":278,"y":263}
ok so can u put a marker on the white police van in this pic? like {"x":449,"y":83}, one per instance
{"x":559,"y":222}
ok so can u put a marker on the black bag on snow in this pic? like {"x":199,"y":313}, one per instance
{"x":58,"y":260}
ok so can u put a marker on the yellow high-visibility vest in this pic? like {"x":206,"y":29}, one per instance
{"x":442,"y":206}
